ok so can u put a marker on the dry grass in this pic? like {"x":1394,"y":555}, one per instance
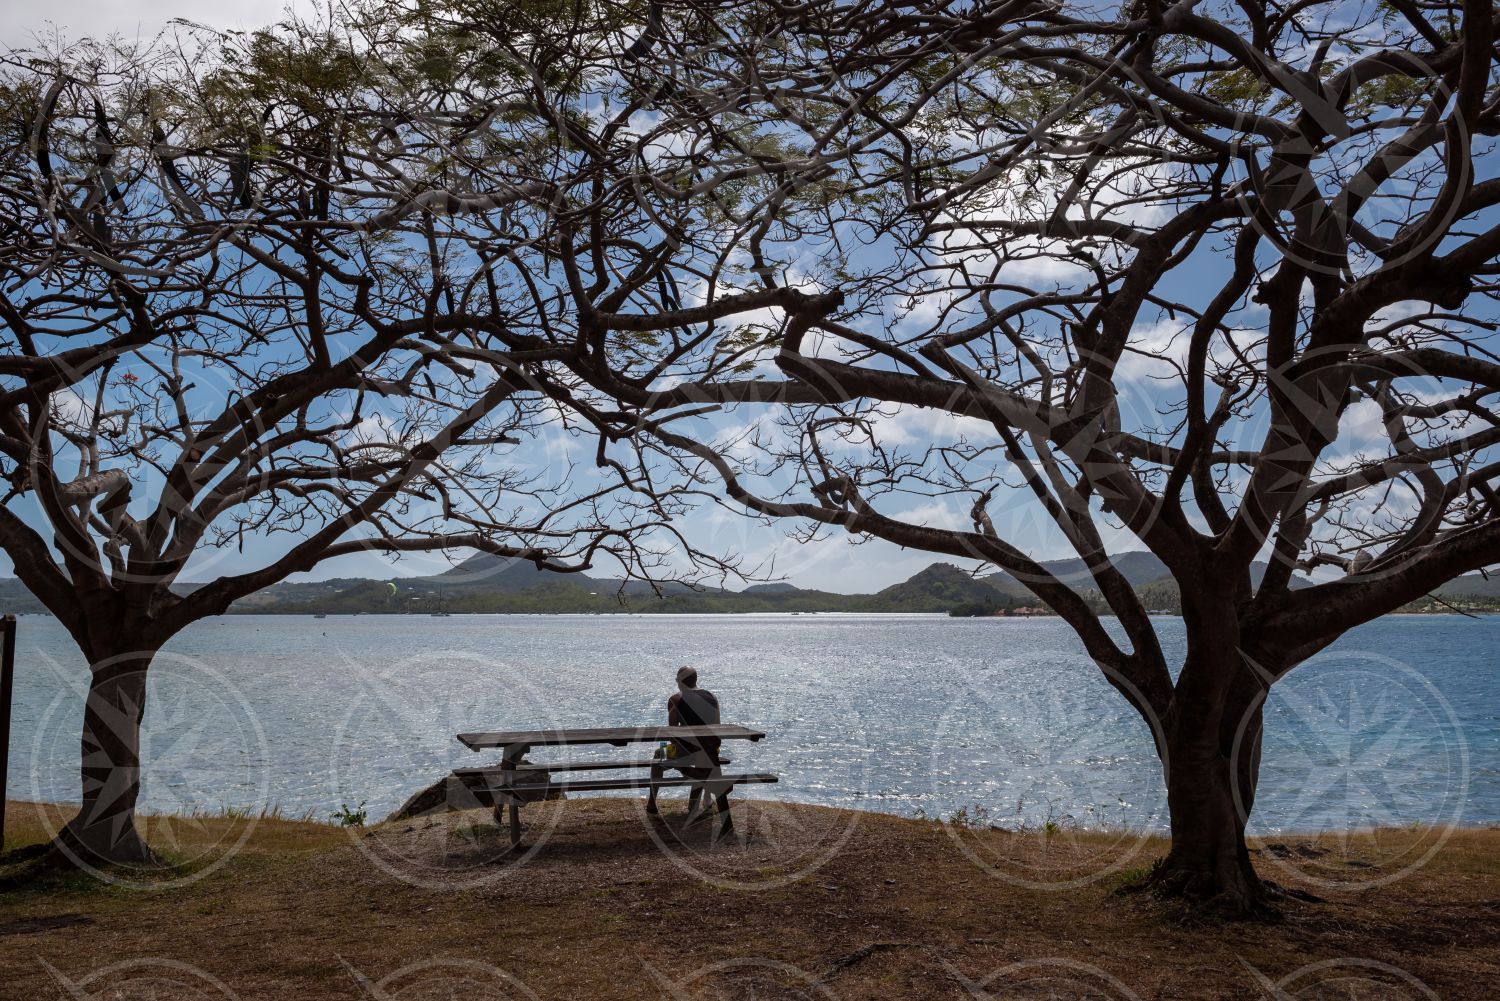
{"x":807,"y":902}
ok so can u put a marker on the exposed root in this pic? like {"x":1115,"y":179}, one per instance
{"x":24,"y":854}
{"x":1278,"y":891}
{"x":33,"y":864}
{"x":126,"y":852}
{"x":65,"y":854}
{"x":1206,"y":893}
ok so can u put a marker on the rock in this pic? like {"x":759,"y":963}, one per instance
{"x":445,"y":795}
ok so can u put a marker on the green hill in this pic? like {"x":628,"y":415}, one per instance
{"x":942,"y":587}
{"x":16,"y":599}
{"x":494,"y":588}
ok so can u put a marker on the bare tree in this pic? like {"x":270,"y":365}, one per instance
{"x":1216,"y":278}
{"x":208,"y":350}
{"x":1150,"y":266}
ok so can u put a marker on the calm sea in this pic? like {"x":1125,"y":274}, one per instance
{"x":1398,"y":723}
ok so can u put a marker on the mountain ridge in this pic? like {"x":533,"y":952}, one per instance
{"x":488,"y":584}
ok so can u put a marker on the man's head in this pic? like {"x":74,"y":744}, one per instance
{"x":687,"y":677}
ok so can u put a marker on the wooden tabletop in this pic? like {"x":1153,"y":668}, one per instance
{"x":616,"y":735}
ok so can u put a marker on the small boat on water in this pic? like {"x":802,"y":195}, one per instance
{"x":321,"y":615}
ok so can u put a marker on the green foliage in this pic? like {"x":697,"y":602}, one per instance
{"x":1394,"y":91}
{"x":300,"y":72}
{"x":1237,"y":88}
{"x":347,"y":816}
{"x":1131,"y":880}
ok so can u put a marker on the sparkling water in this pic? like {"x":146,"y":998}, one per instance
{"x":1005,"y":719}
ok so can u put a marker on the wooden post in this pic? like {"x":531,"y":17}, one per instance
{"x":508,"y":761}
{"x":7,"y":677}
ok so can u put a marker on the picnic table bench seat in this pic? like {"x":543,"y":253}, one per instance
{"x":542,"y":789}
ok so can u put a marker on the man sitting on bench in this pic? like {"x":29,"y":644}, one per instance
{"x":692,"y":706}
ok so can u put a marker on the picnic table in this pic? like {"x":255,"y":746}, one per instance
{"x":516,"y":781}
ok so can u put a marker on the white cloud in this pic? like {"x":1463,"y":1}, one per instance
{"x":934,"y":514}
{"x":25,"y":24}
{"x":72,"y":407}
{"x":920,"y":425}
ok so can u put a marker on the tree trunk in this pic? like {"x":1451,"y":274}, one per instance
{"x":104,"y":831}
{"x":1209,"y":862}
{"x":1212,"y":739}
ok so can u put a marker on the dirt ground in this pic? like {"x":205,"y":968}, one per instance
{"x":803,"y":902}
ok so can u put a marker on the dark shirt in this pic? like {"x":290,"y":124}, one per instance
{"x":694,"y":707}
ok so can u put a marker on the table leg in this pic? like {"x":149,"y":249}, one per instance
{"x":658,"y":769}
{"x":726,"y":828}
{"x":513,"y":754}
